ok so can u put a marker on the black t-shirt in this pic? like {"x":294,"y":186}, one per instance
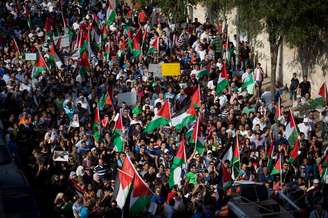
{"x":305,"y":88}
{"x":294,"y":83}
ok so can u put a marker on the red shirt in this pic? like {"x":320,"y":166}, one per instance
{"x":170,"y":196}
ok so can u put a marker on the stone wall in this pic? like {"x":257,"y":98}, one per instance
{"x":288,"y":62}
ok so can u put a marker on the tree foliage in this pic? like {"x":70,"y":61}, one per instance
{"x":301,"y":24}
{"x":176,"y":10}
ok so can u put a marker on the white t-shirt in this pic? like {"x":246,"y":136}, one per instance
{"x":304,"y":129}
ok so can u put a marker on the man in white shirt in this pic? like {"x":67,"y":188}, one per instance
{"x":305,"y":128}
{"x":258,"y":76}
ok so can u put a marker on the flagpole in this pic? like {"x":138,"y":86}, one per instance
{"x":17,"y":46}
{"x":197,"y":126}
{"x":280,"y":171}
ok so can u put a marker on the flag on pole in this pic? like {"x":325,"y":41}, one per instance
{"x":226,"y":177}
{"x":221,"y":85}
{"x":16,"y":46}
{"x":110,"y":16}
{"x":199,"y":146}
{"x":294,"y":152}
{"x":178,"y":164}
{"x":201,"y":73}
{"x":235,"y":162}
{"x":125,"y":181}
{"x":278,"y":114}
{"x":249,"y":84}
{"x":140,"y":196}
{"x":291,"y":130}
{"x":53,"y":56}
{"x":277,"y":167}
{"x":128,"y":167}
{"x":323,"y":91}
{"x":270,"y":155}
{"x":154,"y":45}
{"x":40,"y":66}
{"x":224,"y":72}
{"x":162,"y":118}
{"x":118,"y":140}
{"x":184,"y":119}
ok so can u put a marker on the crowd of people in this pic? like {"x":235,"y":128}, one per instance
{"x":48,"y":106}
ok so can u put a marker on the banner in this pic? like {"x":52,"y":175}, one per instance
{"x":30,"y":56}
{"x":64,"y":40}
{"x":170,"y":69}
{"x":130,"y":98}
{"x":61,"y":156}
{"x":155,"y":69}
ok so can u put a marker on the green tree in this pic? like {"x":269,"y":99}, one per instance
{"x":299,"y":23}
{"x":175,"y":10}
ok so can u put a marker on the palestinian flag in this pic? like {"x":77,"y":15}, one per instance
{"x":226,"y":177}
{"x":102,"y":102}
{"x":294,"y":152}
{"x":228,"y":155}
{"x":53,"y":57}
{"x":277,"y":167}
{"x":110,"y":16}
{"x":96,"y":125}
{"x":125,"y":181}
{"x":201,"y":73}
{"x":84,"y":41}
{"x":323,"y":166}
{"x":84,"y":63}
{"x":249,"y":84}
{"x":316,"y":103}
{"x":278,"y":114}
{"x":184,"y":119}
{"x":40,"y":66}
{"x":177,"y":166}
{"x":291,"y":130}
{"x":162,"y":118}
{"x":140,"y":196}
{"x":134,"y":43}
{"x":270,"y":155}
{"x":196,"y":137}
{"x":319,"y":102}
{"x":235,"y":162}
{"x":224,"y":71}
{"x":323,"y":91}
{"x":136,"y":49}
{"x":105,"y":99}
{"x":221,"y":85}
{"x":117,"y":133}
{"x":128,"y":167}
{"x":154,"y":45}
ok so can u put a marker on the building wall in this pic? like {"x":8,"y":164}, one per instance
{"x":287,"y":58}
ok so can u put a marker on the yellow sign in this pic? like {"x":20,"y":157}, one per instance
{"x":170,"y":69}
